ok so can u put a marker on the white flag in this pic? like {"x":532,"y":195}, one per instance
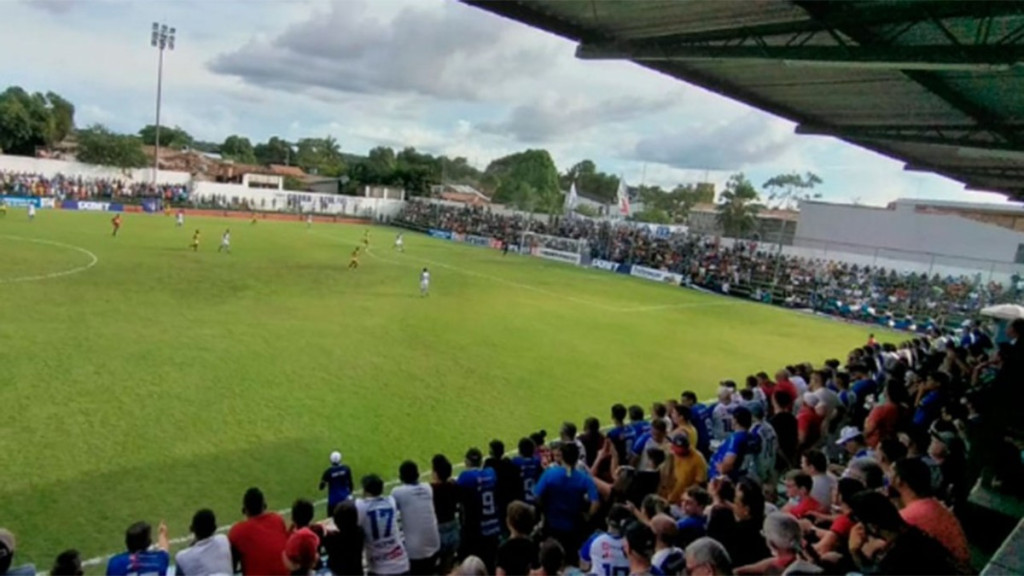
{"x":622,"y":197}
{"x":571,"y":199}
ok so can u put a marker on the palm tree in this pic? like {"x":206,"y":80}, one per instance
{"x":738,"y":207}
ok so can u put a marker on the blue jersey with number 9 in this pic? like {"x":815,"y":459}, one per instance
{"x":478,"y":498}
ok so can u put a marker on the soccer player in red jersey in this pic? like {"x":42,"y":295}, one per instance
{"x":116,"y":221}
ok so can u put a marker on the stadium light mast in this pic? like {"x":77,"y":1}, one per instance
{"x":162,"y":38}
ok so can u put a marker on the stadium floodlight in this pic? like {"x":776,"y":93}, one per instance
{"x":161,"y":38}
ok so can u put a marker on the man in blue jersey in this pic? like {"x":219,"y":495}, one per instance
{"x":529,"y":468}
{"x":139,"y":559}
{"x":728,"y":459}
{"x":622,"y":435}
{"x":567,"y":497}
{"x":338,"y":481}
{"x":604,"y":554}
{"x":701,"y":420}
{"x":479,"y":504}
{"x":637,"y":422}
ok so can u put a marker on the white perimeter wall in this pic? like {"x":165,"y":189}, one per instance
{"x":51,"y":168}
{"x":270,"y":199}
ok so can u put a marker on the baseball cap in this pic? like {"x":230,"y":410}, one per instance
{"x":335,"y":457}
{"x":680,"y":440}
{"x":756,"y":409}
{"x":848,"y":433}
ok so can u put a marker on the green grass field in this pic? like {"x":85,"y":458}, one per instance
{"x":159,"y":381}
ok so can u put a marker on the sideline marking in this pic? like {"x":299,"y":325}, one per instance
{"x":93,"y":259}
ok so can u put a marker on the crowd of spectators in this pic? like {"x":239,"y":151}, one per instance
{"x":900,"y":299}
{"x":68,"y":187}
{"x":860,"y":465}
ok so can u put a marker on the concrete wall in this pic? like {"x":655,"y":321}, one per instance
{"x":906,"y":233}
{"x":50,"y":168}
{"x":279,"y":200}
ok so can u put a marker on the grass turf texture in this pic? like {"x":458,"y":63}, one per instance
{"x":160,"y":381}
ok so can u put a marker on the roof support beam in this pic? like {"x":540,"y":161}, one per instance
{"x":920,"y":57}
{"x":958,"y":136}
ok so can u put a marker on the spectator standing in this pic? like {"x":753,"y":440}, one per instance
{"x":415,"y":502}
{"x":640,"y":544}
{"x":728,"y":459}
{"x":518,"y":554}
{"x":209,"y":552}
{"x":510,"y":486}
{"x":338,"y":480}
{"x":656,"y":437}
{"x":808,"y":423}
{"x":701,"y":421}
{"x":688,"y":467}
{"x":446,"y":503}
{"x":912,"y":480}
{"x":668,"y":559}
{"x":257,"y":543}
{"x":302,"y":550}
{"x":605,"y":552}
{"x":707,"y":557}
{"x":567,"y":497}
{"x":636,"y":420}
{"x":785,"y":425}
{"x":592,"y":440}
{"x":69,"y":563}
{"x":682,"y":421}
{"x":528,"y":467}
{"x":764,"y":448}
{"x":8,"y":546}
{"x":622,"y":435}
{"x":721,"y":415}
{"x":139,"y":559}
{"x":478,"y":500}
{"x":883,"y":543}
{"x":344,"y":544}
{"x":382,"y":536}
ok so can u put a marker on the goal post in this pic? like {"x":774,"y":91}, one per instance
{"x":569,"y":250}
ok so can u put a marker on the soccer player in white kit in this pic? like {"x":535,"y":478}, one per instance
{"x":31,"y":211}
{"x":225,"y":241}
{"x":400,"y":242}
{"x":179,"y":220}
{"x":425,"y":282}
{"x":309,"y":220}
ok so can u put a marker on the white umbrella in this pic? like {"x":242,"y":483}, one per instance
{"x":1004,"y":311}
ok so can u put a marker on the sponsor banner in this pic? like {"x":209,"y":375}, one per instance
{"x":96,"y":206}
{"x":477,"y":240}
{"x":656,"y":275}
{"x":150,"y":205}
{"x":47,"y":203}
{"x":557,"y":255}
{"x":496,"y":244}
{"x":604,"y":265}
{"x":69,"y":205}
{"x":456,"y":237}
{"x":115,"y":207}
{"x":442,"y":234}
{"x":21,"y":201}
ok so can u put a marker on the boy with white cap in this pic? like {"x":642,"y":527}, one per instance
{"x":338,"y":481}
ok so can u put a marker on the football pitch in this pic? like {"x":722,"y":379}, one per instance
{"x":140,"y":380}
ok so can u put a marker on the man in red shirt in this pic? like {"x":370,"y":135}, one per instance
{"x":798,"y":488}
{"x":301,"y":552}
{"x":912,"y":479}
{"x":258,"y":543}
{"x":808,"y":422}
{"x":783,"y":384}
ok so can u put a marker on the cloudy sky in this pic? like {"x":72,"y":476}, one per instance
{"x":433,"y":74}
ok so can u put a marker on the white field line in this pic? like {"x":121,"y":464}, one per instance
{"x":93,"y":259}
{"x":537,"y":289}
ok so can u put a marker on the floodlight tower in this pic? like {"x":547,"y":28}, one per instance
{"x":162,"y":38}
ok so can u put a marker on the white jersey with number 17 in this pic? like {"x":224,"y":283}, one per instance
{"x":385,"y":552}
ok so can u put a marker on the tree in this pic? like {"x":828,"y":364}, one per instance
{"x":738,"y":207}
{"x":274,"y":151}
{"x":586,"y":210}
{"x":170,"y":137}
{"x":320,"y":156}
{"x":590,"y":181}
{"x":28,"y":121}
{"x":528,"y":180}
{"x":672,"y":206}
{"x":786,"y":191}
{"x":97,"y":145}
{"x":652,"y":216}
{"x":239,"y":149}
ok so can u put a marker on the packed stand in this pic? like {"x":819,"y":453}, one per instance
{"x":861,"y":465}
{"x":904,"y":300}
{"x":65,"y":187}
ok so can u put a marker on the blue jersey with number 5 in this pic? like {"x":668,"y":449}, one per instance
{"x":479,"y":504}
{"x":529,"y":471}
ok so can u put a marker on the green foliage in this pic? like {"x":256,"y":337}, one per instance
{"x":591,"y":182}
{"x":28,"y":121}
{"x":170,"y":137}
{"x":527,"y":180}
{"x":239,"y":149}
{"x":321,"y":156}
{"x":273,"y":151}
{"x":293,"y":183}
{"x":653,"y":216}
{"x":673,"y":206}
{"x":786,"y":191}
{"x":158,"y":423}
{"x":586,"y":210}
{"x":97,"y":145}
{"x":738,"y":207}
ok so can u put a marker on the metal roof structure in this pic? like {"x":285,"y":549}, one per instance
{"x":938,"y":85}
